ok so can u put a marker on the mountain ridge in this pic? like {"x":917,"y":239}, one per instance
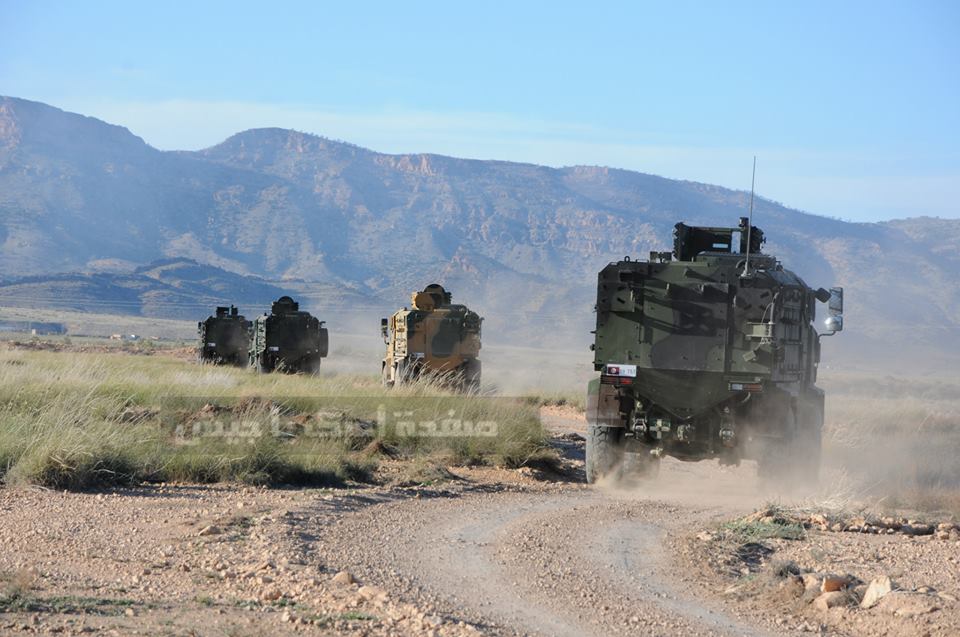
{"x":284,"y":205}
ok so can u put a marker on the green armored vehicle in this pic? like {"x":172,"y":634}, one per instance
{"x":707,"y":352}
{"x":288,"y":340}
{"x":436,"y":336}
{"x":223,"y":339}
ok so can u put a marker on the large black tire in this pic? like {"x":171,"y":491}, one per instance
{"x":403,"y":372}
{"x":471,"y":377}
{"x":264,"y":365}
{"x":604,"y":453}
{"x":312,"y":365}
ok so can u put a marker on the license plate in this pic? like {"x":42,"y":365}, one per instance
{"x":621,"y":370}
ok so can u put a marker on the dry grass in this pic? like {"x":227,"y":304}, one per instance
{"x":893,"y":441}
{"x":570,"y":398}
{"x":80,"y":420}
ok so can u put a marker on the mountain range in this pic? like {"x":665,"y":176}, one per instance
{"x":88,"y":210}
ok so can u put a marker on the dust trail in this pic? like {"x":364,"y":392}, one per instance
{"x":894,"y":441}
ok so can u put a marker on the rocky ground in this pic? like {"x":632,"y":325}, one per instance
{"x":471,"y":551}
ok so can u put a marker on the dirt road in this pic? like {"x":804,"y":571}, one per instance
{"x":556,"y":558}
{"x":489,"y":552}
{"x":564,"y":561}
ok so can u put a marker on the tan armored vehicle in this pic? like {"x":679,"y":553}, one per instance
{"x":434,"y":337}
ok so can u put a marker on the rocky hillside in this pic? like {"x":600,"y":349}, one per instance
{"x":522,"y":242}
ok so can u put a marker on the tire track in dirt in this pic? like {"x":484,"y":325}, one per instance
{"x":570,"y":560}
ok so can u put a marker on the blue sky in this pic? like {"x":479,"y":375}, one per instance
{"x":853,"y":108}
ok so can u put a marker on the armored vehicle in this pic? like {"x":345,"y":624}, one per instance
{"x":287,"y":339}
{"x":435,"y":336}
{"x":707,"y":352}
{"x":223,"y":338}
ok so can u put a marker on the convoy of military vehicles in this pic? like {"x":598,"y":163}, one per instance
{"x":707,"y":351}
{"x":436,"y":339}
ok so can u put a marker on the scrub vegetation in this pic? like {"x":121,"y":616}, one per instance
{"x":77,"y":420}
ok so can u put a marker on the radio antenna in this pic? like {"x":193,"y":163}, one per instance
{"x":753,"y":181}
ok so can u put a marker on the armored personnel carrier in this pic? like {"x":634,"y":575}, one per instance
{"x":707,"y":352}
{"x":435,"y":336}
{"x":223,"y":339}
{"x":288,"y":339}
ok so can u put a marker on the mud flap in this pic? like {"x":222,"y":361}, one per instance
{"x":603,"y":405}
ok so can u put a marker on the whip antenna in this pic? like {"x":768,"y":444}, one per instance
{"x":753,"y":181}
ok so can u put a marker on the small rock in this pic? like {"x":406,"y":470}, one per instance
{"x":833,"y":583}
{"x":209,"y":530}
{"x":903,"y":604}
{"x":130,"y":612}
{"x":916,"y":529}
{"x":876,"y":591}
{"x":704,"y":536}
{"x":372,"y":592}
{"x":811,"y":581}
{"x":829,"y":600}
{"x":344,"y":578}
{"x":271,"y":594}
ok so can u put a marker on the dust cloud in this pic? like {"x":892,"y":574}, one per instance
{"x":893,"y":440}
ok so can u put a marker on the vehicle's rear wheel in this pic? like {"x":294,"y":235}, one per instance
{"x":471,"y":376}
{"x":264,"y":364}
{"x":402,"y":372}
{"x":604,"y":453}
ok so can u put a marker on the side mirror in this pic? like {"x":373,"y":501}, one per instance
{"x":836,"y":302}
{"x":834,"y":322}
{"x":384,"y":328}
